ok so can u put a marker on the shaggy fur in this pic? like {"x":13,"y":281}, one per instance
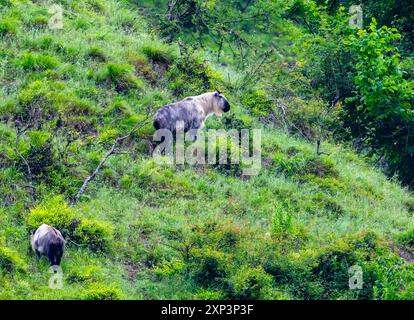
{"x":193,"y":111}
{"x":49,"y":242}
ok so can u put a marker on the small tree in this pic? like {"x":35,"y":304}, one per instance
{"x":383,"y":100}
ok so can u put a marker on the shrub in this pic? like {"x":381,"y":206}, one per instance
{"x":8,"y":26}
{"x":223,"y":235}
{"x":203,"y":294}
{"x":410,"y":204}
{"x":321,"y":167}
{"x":285,"y":227}
{"x":45,"y":99}
{"x":55,"y":212}
{"x":88,"y":273}
{"x":119,"y":108}
{"x":41,"y":99}
{"x":408,"y":292}
{"x":330,"y":204}
{"x":99,"y":291}
{"x":169,"y":268}
{"x":333,"y":262}
{"x":192,"y":74}
{"x":10,"y":260}
{"x":388,"y":276}
{"x":293,"y":271}
{"x":257,"y":102}
{"x":237,"y":121}
{"x":209,"y":266}
{"x":381,"y":111}
{"x":40,"y":21}
{"x":95,"y":234}
{"x":39,"y":156}
{"x":249,"y":284}
{"x":126,"y":182}
{"x":228,"y":154}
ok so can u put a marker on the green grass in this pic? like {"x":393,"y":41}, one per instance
{"x":151,"y":231}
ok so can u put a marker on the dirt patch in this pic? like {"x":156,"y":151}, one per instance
{"x":406,"y":255}
{"x":292,"y":151}
{"x":321,"y":169}
{"x":245,"y":177}
{"x":132,"y":270}
{"x":160,"y":67}
{"x":403,"y":253}
{"x":267,"y":162}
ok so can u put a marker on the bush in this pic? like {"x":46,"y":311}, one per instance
{"x":333,"y":263}
{"x":192,"y":74}
{"x":55,"y":212}
{"x":257,"y":102}
{"x":293,"y":271}
{"x":44,"y":100}
{"x":10,"y":260}
{"x":236,"y":121}
{"x":285,"y":227}
{"x":98,"y":291}
{"x":249,"y":284}
{"x":321,"y":167}
{"x":8,"y":26}
{"x":305,"y":167}
{"x":95,"y":234}
{"x":228,"y":154}
{"x":39,"y":156}
{"x":210,"y":266}
{"x":41,"y":99}
{"x":88,"y":273}
{"x":169,"y":268}
{"x":209,"y":295}
{"x":381,"y":111}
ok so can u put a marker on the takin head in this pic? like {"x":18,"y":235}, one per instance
{"x":220,"y":103}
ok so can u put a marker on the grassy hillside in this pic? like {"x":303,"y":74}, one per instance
{"x":151,"y":231}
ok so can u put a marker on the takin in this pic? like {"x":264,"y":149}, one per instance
{"x":49,"y":242}
{"x":192,"y":111}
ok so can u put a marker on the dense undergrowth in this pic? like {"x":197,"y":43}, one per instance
{"x":151,"y":231}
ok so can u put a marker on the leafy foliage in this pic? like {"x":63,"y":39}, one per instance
{"x":145,"y":230}
{"x":385,"y":98}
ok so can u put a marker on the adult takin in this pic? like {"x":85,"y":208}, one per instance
{"x":48,"y":241}
{"x":191,"y":111}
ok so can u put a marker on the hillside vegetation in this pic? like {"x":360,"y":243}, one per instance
{"x":158,"y":231}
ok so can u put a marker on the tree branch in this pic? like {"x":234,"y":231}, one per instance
{"x":113,"y":150}
{"x":19,"y":132}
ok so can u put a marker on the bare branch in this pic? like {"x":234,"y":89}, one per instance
{"x":318,"y":146}
{"x":112,"y":151}
{"x":19,"y":132}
